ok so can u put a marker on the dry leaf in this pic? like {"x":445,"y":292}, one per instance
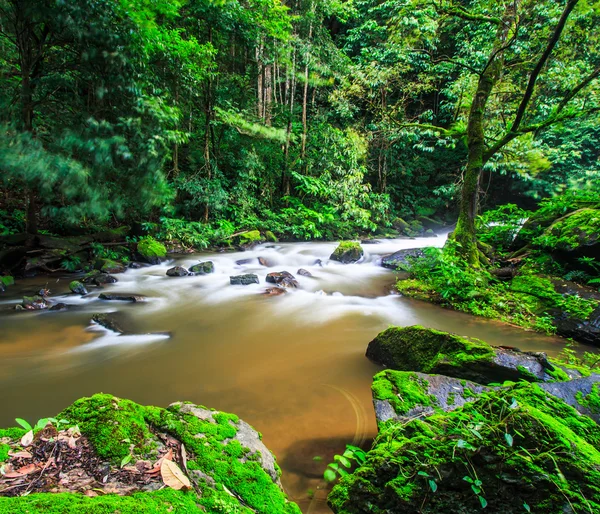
{"x":21,"y":455}
{"x":173,"y":476}
{"x":169,"y":455}
{"x":27,"y":439}
{"x":72,"y":443}
{"x":26,"y":470}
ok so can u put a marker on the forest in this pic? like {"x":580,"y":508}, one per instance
{"x":455,"y":142}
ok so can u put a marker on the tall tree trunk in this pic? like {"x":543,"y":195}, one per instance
{"x":290,"y":93}
{"x":305,"y":95}
{"x":208,"y":116}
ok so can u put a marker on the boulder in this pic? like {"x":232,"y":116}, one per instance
{"x":103,"y":278}
{"x":431,"y":351}
{"x":282,"y":278}
{"x":77,"y":287}
{"x":402,"y":258}
{"x":275,"y":291}
{"x":108,"y":321}
{"x":117,"y":297}
{"x":583,"y":394}
{"x":151,"y":251}
{"x":304,"y":273}
{"x":263,"y":262}
{"x":508,"y":448}
{"x":203,"y":268}
{"x":35,"y":303}
{"x":109,"y":266}
{"x":269,"y":236}
{"x":121,"y":449}
{"x":241,"y":262}
{"x":178,"y":271}
{"x":347,"y":252}
{"x":244,"y":280}
{"x":584,"y":331}
{"x":59,"y":307}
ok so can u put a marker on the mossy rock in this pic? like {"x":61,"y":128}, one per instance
{"x":77,"y":287}
{"x":269,"y":236}
{"x":431,"y":351}
{"x":109,"y":266}
{"x":150,"y":250}
{"x":347,"y":252}
{"x":230,"y":468}
{"x":203,"y":268}
{"x":249,"y":238}
{"x":577,"y":229}
{"x":525,"y":447}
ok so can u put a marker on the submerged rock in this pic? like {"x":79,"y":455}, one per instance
{"x":304,"y":273}
{"x":203,"y":268}
{"x":402,"y":258}
{"x":59,"y":307}
{"x":134,"y":298}
{"x":227,"y":465}
{"x":432,"y":351}
{"x":107,"y":321}
{"x":275,"y":291}
{"x":244,"y":280}
{"x":282,"y":278}
{"x":347,"y":252}
{"x":77,"y":288}
{"x":517,"y":446}
{"x":263,"y":262}
{"x":35,"y":303}
{"x":177,"y":271}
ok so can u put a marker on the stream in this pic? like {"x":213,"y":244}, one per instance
{"x":293,"y":366}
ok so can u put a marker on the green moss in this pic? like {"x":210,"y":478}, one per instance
{"x":269,"y":236}
{"x":111,"y":424}
{"x":347,"y":251}
{"x":571,"y":231}
{"x":251,"y":236}
{"x":403,"y":390}
{"x":558,"y":374}
{"x":553,"y":460}
{"x":150,"y":248}
{"x":527,"y":374}
{"x":4,"y":448}
{"x":413,"y":288}
{"x":7,"y":280}
{"x":166,"y":501}
{"x":592,"y":400}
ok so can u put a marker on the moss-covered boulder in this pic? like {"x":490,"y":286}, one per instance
{"x":402,"y":259}
{"x":269,"y":236}
{"x":77,"y":287}
{"x":150,"y":250}
{"x":249,"y":238}
{"x":432,"y":351}
{"x":347,"y":252}
{"x":118,"y":456}
{"x":513,"y":450}
{"x":578,"y":230}
{"x":177,"y":271}
{"x":203,"y":268}
{"x":109,"y":266}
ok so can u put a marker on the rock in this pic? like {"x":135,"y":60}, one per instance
{"x":419,"y":465}
{"x":107,"y":321}
{"x":431,"y":351}
{"x":370,"y":241}
{"x":59,"y":307}
{"x":282,"y":278}
{"x":109,"y":266}
{"x":506,"y":273}
{"x":230,"y":468}
{"x":2,"y":287}
{"x":151,"y":251}
{"x":203,"y":268}
{"x":263,"y":262}
{"x":241,"y":262}
{"x":77,"y":287}
{"x":584,"y":331}
{"x":248,"y":239}
{"x":134,"y":298}
{"x":275,"y":291}
{"x":347,"y":252}
{"x":103,"y":278}
{"x":402,"y":258}
{"x":304,"y":273}
{"x":583,"y":394}
{"x":177,"y":271}
{"x":35,"y":303}
{"x":269,"y":236}
{"x":402,"y":395}
{"x":135,"y":265}
{"x":318,"y":262}
{"x":244,"y":280}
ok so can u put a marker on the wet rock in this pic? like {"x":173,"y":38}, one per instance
{"x":506,"y":273}
{"x":203,"y":268}
{"x":583,"y":394}
{"x":35,"y":303}
{"x":403,"y":395}
{"x":177,"y":271}
{"x":431,"y":351}
{"x":107,"y":321}
{"x":304,"y":273}
{"x":282,"y":278}
{"x":136,"y":265}
{"x":402,"y":258}
{"x":103,"y":278}
{"x":77,"y":287}
{"x":584,"y":331}
{"x":59,"y":307}
{"x":275,"y":291}
{"x":109,"y":266}
{"x":370,"y":241}
{"x":318,"y":262}
{"x":151,"y":251}
{"x":347,"y":252}
{"x":241,"y":262}
{"x":263,"y":262}
{"x":244,"y":280}
{"x":123,"y":297}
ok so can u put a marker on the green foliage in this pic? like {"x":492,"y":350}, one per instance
{"x":342,"y":464}
{"x":499,"y":227}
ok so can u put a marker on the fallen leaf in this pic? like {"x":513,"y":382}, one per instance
{"x":173,"y":477}
{"x":183,"y":456}
{"x":26,"y":470}
{"x":21,"y":455}
{"x":72,"y":443}
{"x":27,"y":439}
{"x":168,"y":455}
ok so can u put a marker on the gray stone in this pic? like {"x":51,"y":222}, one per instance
{"x":244,"y":280}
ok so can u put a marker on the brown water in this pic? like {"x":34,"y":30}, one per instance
{"x":293,"y":366}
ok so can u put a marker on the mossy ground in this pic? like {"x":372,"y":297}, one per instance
{"x":549,"y":461}
{"x":231,"y":478}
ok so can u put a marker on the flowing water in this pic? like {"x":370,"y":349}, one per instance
{"x":293,"y":366}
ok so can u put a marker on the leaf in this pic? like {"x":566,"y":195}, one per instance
{"x":423,"y":474}
{"x":483,"y":502}
{"x":173,"y":477}
{"x":509,"y":439}
{"x":21,"y":455}
{"x":343,"y":461}
{"x":433,"y":485}
{"x":329,"y":475}
{"x":24,"y":424}
{"x":475,"y":432}
{"x":526,"y":507}
{"x":126,"y":460}
{"x":27,"y":439}
{"x":41,"y":423}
